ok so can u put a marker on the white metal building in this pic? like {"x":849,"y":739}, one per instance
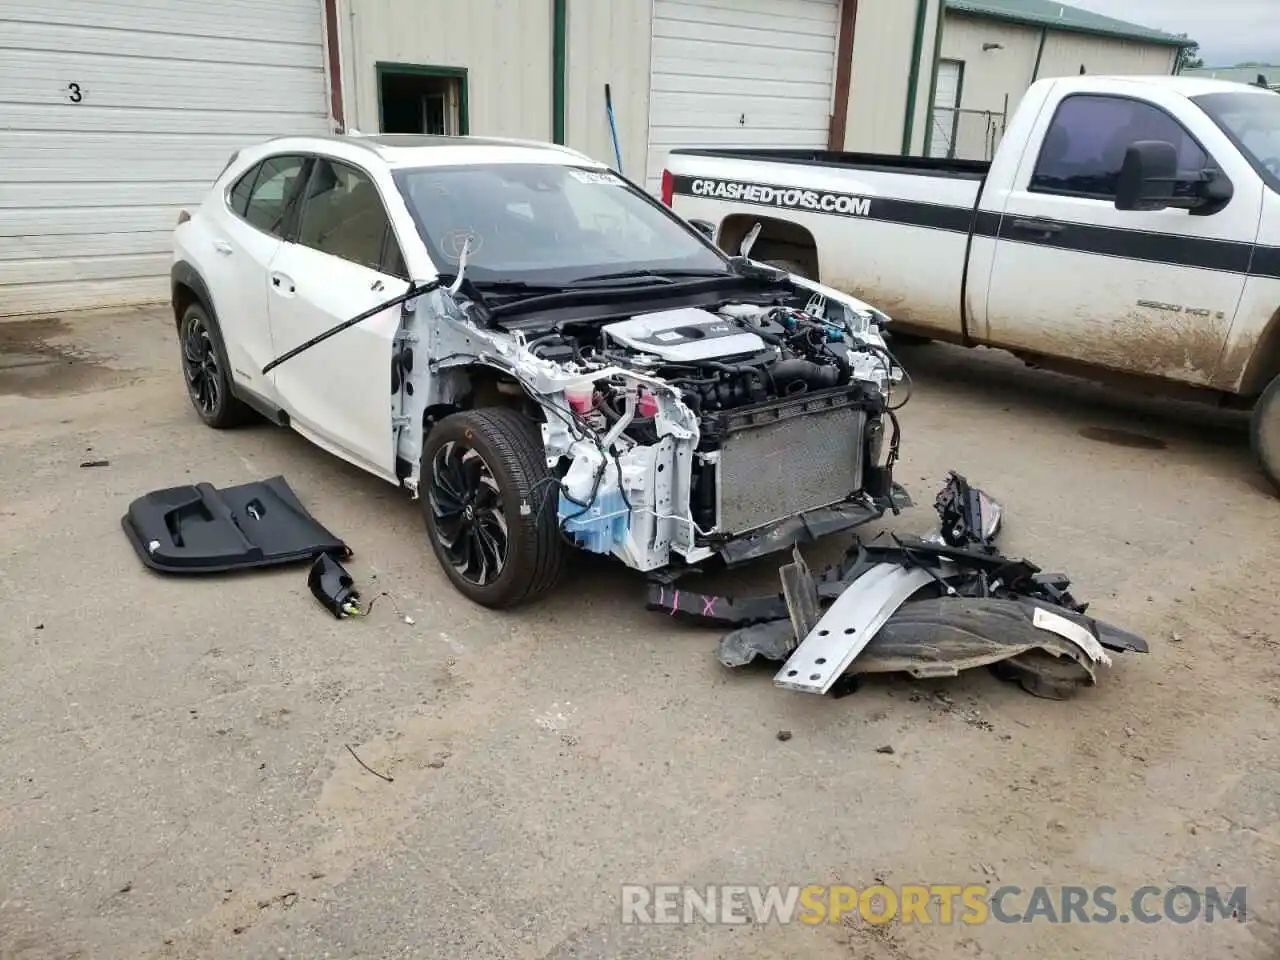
{"x":681,"y":72}
{"x":118,"y":113}
{"x":992,"y":50}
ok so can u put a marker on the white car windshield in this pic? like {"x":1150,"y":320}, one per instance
{"x":1252,"y":121}
{"x":548,"y":224}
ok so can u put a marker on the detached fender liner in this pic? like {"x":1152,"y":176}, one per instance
{"x":201,"y":529}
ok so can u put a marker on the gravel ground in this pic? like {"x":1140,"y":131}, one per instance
{"x":177,"y":781}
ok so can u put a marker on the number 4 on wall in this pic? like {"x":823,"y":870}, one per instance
{"x":75,"y":93}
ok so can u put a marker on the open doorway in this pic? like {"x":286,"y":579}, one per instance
{"x":418,"y":99}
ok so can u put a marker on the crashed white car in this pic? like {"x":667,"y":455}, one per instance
{"x":538,"y":350}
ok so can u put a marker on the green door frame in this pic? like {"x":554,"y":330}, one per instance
{"x":913,"y":77}
{"x":423,"y":70}
{"x":559,"y":55}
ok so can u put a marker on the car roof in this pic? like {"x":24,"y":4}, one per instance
{"x":1187,"y":86}
{"x":400,"y":150}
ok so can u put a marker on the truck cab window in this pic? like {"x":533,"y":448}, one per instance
{"x":1085,"y":145}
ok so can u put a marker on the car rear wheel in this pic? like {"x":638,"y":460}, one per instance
{"x":205,"y":371}
{"x":1264,"y":432}
{"x":490,"y":506}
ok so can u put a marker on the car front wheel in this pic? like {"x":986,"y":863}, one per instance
{"x":208,"y":380}
{"x":490,"y":506}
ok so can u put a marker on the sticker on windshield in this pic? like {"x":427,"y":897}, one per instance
{"x":596,"y":176}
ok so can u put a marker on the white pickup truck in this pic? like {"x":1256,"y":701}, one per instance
{"x":1127,"y":226}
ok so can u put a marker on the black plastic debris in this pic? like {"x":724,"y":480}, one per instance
{"x":201,"y":529}
{"x":333,"y":587}
{"x":973,"y":607}
{"x":969,"y":515}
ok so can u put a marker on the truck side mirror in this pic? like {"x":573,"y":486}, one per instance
{"x":1149,"y":180}
{"x":1147,"y":176}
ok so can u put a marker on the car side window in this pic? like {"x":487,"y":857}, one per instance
{"x":239,"y":198}
{"x":1085,"y":145}
{"x":343,"y":216}
{"x":271,"y":197}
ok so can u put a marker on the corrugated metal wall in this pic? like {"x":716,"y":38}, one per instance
{"x":1065,"y":53}
{"x":883,"y":41}
{"x":608,"y":42}
{"x":987,"y":75}
{"x":115,"y":115}
{"x":505,"y":47}
{"x":740,"y":73}
{"x":990,"y":75}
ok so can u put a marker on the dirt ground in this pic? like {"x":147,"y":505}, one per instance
{"x":177,"y":781}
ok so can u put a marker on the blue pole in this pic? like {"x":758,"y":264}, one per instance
{"x":613,"y":126}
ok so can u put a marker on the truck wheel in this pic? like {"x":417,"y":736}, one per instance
{"x":490,"y":506}
{"x":1264,"y":432}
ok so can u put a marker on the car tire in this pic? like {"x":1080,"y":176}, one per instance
{"x":484,"y":485}
{"x":1264,"y":433}
{"x":206,"y":373}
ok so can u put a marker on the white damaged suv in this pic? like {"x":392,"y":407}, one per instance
{"x":541,"y":352}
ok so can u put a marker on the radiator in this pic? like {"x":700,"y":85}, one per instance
{"x":787,"y":457}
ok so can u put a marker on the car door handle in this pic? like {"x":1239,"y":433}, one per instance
{"x":1042,"y":227}
{"x":282,"y":285}
{"x":222,"y":247}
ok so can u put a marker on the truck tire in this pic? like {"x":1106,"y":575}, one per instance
{"x":489,"y":502}
{"x":1264,"y":432}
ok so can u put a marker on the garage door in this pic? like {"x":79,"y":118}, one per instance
{"x":117,"y":114}
{"x":740,"y":73}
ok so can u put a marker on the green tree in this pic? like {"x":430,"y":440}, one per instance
{"x":1189,"y":56}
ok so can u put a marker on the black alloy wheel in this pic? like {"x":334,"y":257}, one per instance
{"x":469,"y":522}
{"x":489,"y":502}
{"x":208,"y":380}
{"x":200,"y":363}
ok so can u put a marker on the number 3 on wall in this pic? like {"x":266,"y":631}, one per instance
{"x":74,"y":93}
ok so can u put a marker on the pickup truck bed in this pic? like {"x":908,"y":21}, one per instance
{"x":878,"y":162}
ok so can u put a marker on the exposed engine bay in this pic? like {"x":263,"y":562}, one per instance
{"x":738,"y":425}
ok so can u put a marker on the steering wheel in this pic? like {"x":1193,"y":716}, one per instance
{"x":1272,"y":164}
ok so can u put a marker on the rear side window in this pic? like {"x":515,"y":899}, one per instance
{"x":343,"y":216}
{"x":240,"y":192}
{"x":1085,"y":145}
{"x":269,"y":199}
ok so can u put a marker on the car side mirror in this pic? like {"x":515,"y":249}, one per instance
{"x":1149,"y":180}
